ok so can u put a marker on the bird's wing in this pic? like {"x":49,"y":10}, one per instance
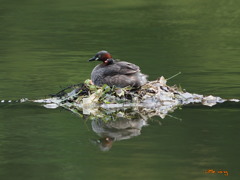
{"x":121,"y":80}
{"x":127,"y":68}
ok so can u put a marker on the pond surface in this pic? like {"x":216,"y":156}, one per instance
{"x":45,"y":45}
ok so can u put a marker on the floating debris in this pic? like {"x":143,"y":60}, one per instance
{"x":234,"y":100}
{"x":23,"y":100}
{"x":51,"y":106}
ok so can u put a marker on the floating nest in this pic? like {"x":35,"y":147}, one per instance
{"x":154,"y":98}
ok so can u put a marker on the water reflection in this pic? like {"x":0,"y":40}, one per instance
{"x":117,"y":124}
{"x":120,"y":129}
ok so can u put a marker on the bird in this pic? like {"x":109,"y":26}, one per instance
{"x":116,"y":73}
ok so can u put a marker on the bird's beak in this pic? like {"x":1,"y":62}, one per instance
{"x":93,"y":58}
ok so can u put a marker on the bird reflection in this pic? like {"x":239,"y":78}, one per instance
{"x":117,"y":124}
{"x":120,"y":129}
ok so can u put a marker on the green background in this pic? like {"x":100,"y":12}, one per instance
{"x":45,"y":45}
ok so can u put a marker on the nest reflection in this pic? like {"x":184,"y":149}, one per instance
{"x":117,"y":124}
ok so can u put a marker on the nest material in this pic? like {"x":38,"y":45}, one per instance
{"x":155,"y":96}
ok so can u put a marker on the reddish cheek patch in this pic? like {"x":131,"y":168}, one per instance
{"x":107,"y":56}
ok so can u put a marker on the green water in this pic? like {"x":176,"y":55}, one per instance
{"x":45,"y":45}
